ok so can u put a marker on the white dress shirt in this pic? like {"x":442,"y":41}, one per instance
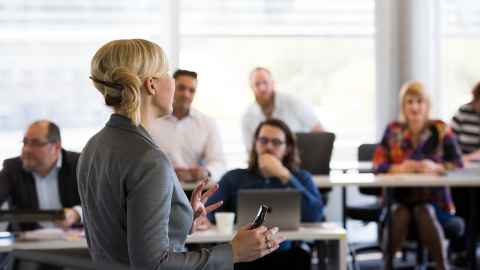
{"x":48,"y":193}
{"x":191,"y":141}
{"x":298,"y":115}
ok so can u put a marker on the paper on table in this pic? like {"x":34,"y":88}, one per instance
{"x":51,"y":234}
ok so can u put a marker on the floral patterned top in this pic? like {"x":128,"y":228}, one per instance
{"x":437,"y":143}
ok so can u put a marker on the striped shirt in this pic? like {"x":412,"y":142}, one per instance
{"x":466,"y":125}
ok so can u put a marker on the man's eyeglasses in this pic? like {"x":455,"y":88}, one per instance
{"x":275,"y":142}
{"x":34,"y":143}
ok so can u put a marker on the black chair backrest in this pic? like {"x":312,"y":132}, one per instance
{"x":315,"y":150}
{"x":47,"y":260}
{"x":366,"y":151}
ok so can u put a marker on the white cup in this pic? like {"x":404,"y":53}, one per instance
{"x":224,"y":221}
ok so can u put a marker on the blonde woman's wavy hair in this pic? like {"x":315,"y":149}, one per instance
{"x":119,"y":69}
{"x":413,"y":88}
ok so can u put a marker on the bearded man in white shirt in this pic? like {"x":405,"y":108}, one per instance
{"x":269,"y":103}
{"x":189,"y":138}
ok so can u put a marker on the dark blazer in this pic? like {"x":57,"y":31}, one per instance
{"x":18,"y":186}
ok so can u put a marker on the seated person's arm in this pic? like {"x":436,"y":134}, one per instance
{"x":184,"y":174}
{"x":382,"y":162}
{"x":214,"y":156}
{"x":224,"y":194}
{"x":411,"y":166}
{"x":5,"y":183}
{"x":312,"y":204}
{"x":270,"y":166}
{"x":308,"y":116}
{"x":452,"y":155}
{"x":473,"y":156}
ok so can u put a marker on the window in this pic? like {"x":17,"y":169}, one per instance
{"x":460,"y":57}
{"x":321,"y":51}
{"x":46,"y":48}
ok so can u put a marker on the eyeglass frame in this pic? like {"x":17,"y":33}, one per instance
{"x":35,"y":143}
{"x":275,"y":142}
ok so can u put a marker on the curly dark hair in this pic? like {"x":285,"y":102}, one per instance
{"x":291,"y":160}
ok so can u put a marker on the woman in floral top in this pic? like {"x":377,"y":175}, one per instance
{"x":416,"y":144}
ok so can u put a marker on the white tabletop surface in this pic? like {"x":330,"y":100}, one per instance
{"x":396,"y":180}
{"x":306,"y":232}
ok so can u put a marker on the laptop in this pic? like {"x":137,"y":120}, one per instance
{"x":284,"y":204}
{"x":315,"y":150}
{"x":28,"y":215}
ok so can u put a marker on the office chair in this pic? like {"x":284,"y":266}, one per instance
{"x":315,"y":150}
{"x":365,"y":213}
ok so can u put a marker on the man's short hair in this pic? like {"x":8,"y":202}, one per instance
{"x":260,"y":69}
{"x":53,"y":131}
{"x":184,"y":72}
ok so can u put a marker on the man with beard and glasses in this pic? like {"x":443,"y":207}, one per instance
{"x":42,"y":178}
{"x":190,"y":138}
{"x":273,"y":164}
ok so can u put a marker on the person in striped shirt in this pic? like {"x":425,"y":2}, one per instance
{"x":466,"y":125}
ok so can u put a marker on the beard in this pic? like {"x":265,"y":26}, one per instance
{"x":29,"y":164}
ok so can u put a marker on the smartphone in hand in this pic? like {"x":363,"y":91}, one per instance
{"x":261,"y":214}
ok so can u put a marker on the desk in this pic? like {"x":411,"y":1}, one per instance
{"x":410,"y":180}
{"x":307,"y":232}
{"x":346,"y":166}
{"x":7,"y":245}
{"x":395,"y":180}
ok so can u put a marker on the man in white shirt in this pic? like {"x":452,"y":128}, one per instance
{"x":270,"y":103}
{"x":189,"y":138}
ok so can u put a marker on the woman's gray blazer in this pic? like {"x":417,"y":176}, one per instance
{"x":135,"y":210}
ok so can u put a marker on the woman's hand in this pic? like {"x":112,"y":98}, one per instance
{"x":71,"y":217}
{"x":407,"y":166}
{"x":251,"y":244}
{"x":271,"y":166}
{"x":198,"y":200}
{"x":474,"y":156}
{"x":202,"y":224}
{"x":428,"y":166}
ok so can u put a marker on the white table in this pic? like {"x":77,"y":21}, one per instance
{"x":7,"y":245}
{"x":354,"y":165}
{"x":307,"y":232}
{"x":395,"y":180}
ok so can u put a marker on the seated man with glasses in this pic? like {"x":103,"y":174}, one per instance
{"x":273,"y":163}
{"x":43,"y":178}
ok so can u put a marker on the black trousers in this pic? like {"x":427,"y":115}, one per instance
{"x":461,"y":198}
{"x":294,"y":258}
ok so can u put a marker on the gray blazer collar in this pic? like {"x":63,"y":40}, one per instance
{"x":123,"y":122}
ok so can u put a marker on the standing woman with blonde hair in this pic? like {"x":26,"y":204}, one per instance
{"x":417,"y":144}
{"x":135,"y":210}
